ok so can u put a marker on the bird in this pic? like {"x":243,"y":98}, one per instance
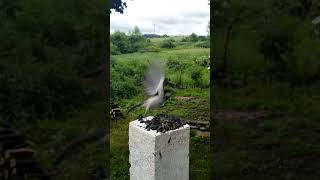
{"x":154,"y":88}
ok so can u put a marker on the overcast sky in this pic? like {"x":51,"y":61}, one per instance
{"x":171,"y":17}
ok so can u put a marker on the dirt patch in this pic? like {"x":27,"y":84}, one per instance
{"x":184,"y":98}
{"x":236,"y":115}
{"x":202,"y":133}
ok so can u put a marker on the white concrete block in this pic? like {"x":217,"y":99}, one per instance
{"x":158,"y":156}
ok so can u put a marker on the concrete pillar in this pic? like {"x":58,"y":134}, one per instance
{"x":158,"y":156}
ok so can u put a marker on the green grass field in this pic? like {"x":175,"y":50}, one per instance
{"x":49,"y":136}
{"x":282,"y":144}
{"x":196,"y":109}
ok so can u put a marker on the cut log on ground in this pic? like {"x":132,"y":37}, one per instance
{"x":4,"y":131}
{"x":21,"y":152}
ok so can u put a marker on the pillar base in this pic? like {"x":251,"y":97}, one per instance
{"x":158,"y":156}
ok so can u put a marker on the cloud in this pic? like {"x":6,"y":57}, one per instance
{"x":170,"y":17}
{"x":197,"y":14}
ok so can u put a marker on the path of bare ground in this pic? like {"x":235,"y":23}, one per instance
{"x":236,"y":115}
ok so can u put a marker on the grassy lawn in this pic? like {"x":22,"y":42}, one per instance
{"x":50,"y":136}
{"x":195,"y":109}
{"x":281,"y":146}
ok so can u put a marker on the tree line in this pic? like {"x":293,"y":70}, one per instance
{"x":135,"y":41}
{"x":46,"y":48}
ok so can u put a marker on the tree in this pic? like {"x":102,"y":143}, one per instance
{"x":275,"y":45}
{"x":226,"y":15}
{"x":193,"y":37}
{"x":136,"y":40}
{"x":9,"y":8}
{"x":299,"y":8}
{"x":234,"y":20}
{"x":120,"y":40}
{"x":168,"y":43}
{"x":136,"y":31}
{"x":177,"y":65}
{"x":117,"y":5}
{"x":196,"y":77}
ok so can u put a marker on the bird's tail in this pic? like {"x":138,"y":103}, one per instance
{"x":134,"y":107}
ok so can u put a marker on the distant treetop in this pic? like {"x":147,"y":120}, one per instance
{"x":117,"y":5}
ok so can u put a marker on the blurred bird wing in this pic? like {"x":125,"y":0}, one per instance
{"x":153,"y":80}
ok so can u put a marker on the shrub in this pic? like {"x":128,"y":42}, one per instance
{"x":136,"y":43}
{"x":123,"y":89}
{"x":168,"y":43}
{"x":202,"y":38}
{"x":126,"y":77}
{"x":203,"y":44}
{"x":184,"y":40}
{"x":122,"y":84}
{"x":203,"y":61}
{"x":30,"y":95}
{"x":149,"y":48}
{"x":114,"y":50}
{"x":193,"y":37}
{"x":120,"y":41}
{"x":173,"y":64}
{"x":196,"y":76}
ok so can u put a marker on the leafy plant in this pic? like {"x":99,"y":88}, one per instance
{"x":196,"y":77}
{"x":168,"y":43}
{"x":193,"y":37}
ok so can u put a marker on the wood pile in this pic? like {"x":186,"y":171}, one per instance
{"x":115,"y":112}
{"x":16,"y":158}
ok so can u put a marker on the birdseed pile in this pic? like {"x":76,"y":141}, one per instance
{"x":162,"y":123}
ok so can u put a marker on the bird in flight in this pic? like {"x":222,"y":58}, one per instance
{"x":154,"y":87}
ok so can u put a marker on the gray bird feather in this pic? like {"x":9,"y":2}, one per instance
{"x":153,"y":86}
{"x":154,"y":78}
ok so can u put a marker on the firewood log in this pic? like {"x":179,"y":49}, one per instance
{"x":2,"y":161}
{"x":27,"y":162}
{"x":6,"y":173}
{"x":10,"y":136}
{"x":20,"y":152}
{"x":4,"y":131}
{"x":13,"y":172}
{"x":12,"y":162}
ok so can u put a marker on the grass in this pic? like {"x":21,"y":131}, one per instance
{"x":186,"y":56}
{"x":281,"y":146}
{"x":48,"y":136}
{"x":196,"y":109}
{"x":199,"y":147}
{"x":274,"y":148}
{"x":182,"y":54}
